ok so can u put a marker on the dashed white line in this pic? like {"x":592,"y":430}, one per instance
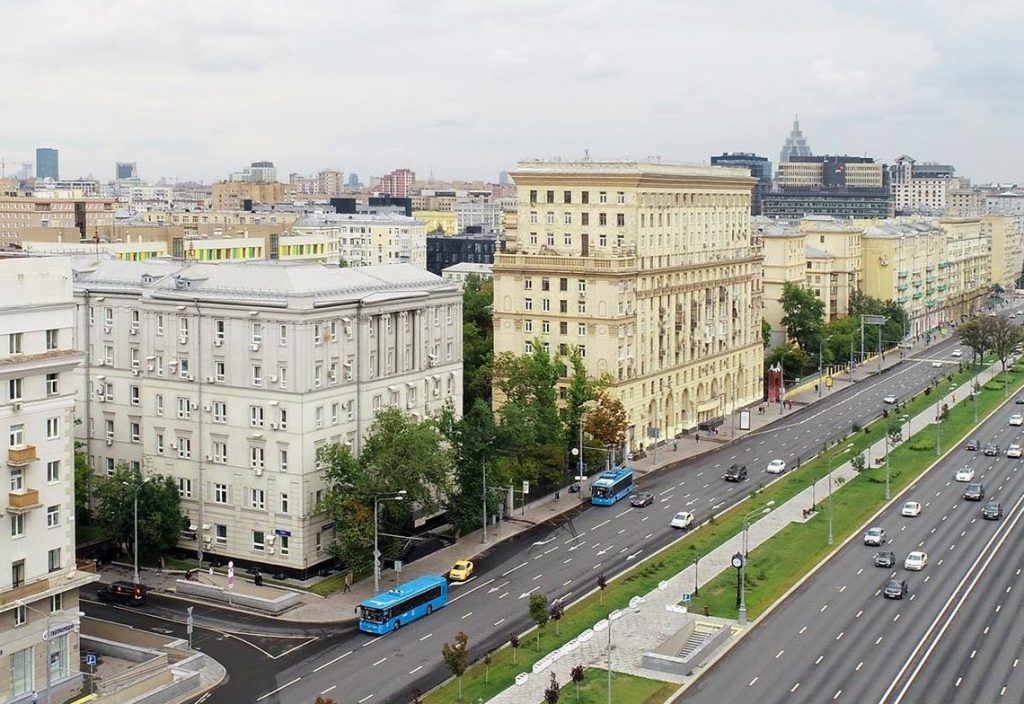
{"x":378,"y":662}
{"x":752,"y":682}
{"x":328,"y":664}
{"x":268,"y":694}
{"x":367,"y":698}
{"x":425,"y":637}
{"x":498,"y":622}
{"x":415,"y":670}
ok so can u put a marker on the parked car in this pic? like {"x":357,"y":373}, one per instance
{"x":965,"y":474}
{"x":895,"y":589}
{"x":991,"y":450}
{"x":461,"y":571}
{"x":736,"y":473}
{"x":974,"y":492}
{"x":973,"y":445}
{"x":890,"y":399}
{"x":885,"y":558}
{"x":916,"y":560}
{"x":1014,"y":451}
{"x":992,"y":511}
{"x":641,"y":499}
{"x":124,"y":593}
{"x":776,"y":467}
{"x":911,"y":508}
{"x":683,"y":519}
{"x":874,"y":536}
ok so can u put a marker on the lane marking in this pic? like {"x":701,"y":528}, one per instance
{"x":328,"y":664}
{"x":270,"y":694}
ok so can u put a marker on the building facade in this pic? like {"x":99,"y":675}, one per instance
{"x":229,"y":377}
{"x":785,"y":259}
{"x":760,"y":168}
{"x":920,"y":188}
{"x":39,"y":580}
{"x":125,"y":170}
{"x":650,"y":272}
{"x":231,"y":195}
{"x":1006,"y":237}
{"x":460,"y":272}
{"x":836,"y":186}
{"x":443,"y":252}
{"x":367,"y":239}
{"x":87,"y":215}
{"x":833,"y":250}
{"x":47,"y":163}
{"x":398,"y":184}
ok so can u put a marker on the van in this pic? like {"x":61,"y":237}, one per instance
{"x":124,"y":593}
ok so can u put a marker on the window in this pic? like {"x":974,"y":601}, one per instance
{"x":220,"y":493}
{"x":158,"y":402}
{"x":318,"y":332}
{"x":283,"y":542}
{"x":17,"y":525}
{"x":282,"y":419}
{"x":134,"y":396}
{"x":602,"y":197}
{"x":160,"y":443}
{"x":581,"y":329}
{"x":581,"y":285}
{"x":183,"y":327}
{"x":17,"y":435}
{"x":256,"y":332}
{"x":282,"y":376}
{"x":14,"y":343}
{"x":602,"y":218}
{"x":14,"y":389}
{"x":220,"y":452}
{"x":110,"y":466}
{"x":528,"y":284}
{"x":256,"y":416}
{"x":160,"y":324}
{"x":282,"y":335}
{"x":527,"y":326}
{"x":567,"y":196}
{"x":53,"y":471}
{"x":134,"y":430}
{"x":335,"y":413}
{"x":257,"y":540}
{"x":319,"y":542}
{"x":184,"y":407}
{"x":527,"y":304}
{"x":620,"y":198}
{"x":567,"y":218}
{"x":219,"y":327}
{"x":52,"y":339}
{"x":563,"y":306}
{"x":567,"y":239}
{"x":17,"y":573}
{"x":563,"y":328}
{"x":20,"y":615}
{"x":220,"y":411}
{"x":563,"y":284}
{"x":318,"y":373}
{"x":185,"y":487}
{"x":133,"y":357}
{"x":218,"y":370}
{"x":109,"y":428}
{"x":545,"y":326}
{"x":545,"y":304}
{"x":257,"y":499}
{"x":584,"y":219}
{"x":22,"y":670}
{"x":108,"y":391}
{"x":582,"y":350}
{"x":53,"y":559}
{"x":52,"y":428}
{"x":284,"y":503}
{"x":183,"y":368}
{"x":585,"y":197}
{"x":53,"y":516}
{"x":256,"y":457}
{"x":620,"y":219}
{"x":602,"y":240}
{"x":184,"y":448}
{"x":581,"y":307}
{"x":332,"y":372}
{"x":282,"y":460}
{"x":221,"y":534}
{"x":319,"y":417}
{"x":257,"y":375}
{"x":550,"y":197}
{"x":56,"y":603}
{"x":551,"y":239}
{"x":528,"y":347}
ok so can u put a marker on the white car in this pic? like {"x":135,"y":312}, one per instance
{"x":1014,"y":451}
{"x":1016,"y":419}
{"x":958,"y":353}
{"x":965,"y":474}
{"x":937,"y":364}
{"x":683,"y":519}
{"x":890,"y":399}
{"x":874,"y":536}
{"x":776,"y":467}
{"x":916,"y":560}
{"x":911,"y":509}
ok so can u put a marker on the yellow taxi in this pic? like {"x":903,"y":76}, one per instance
{"x":461,"y":571}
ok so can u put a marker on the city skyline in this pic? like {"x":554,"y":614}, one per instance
{"x":464,"y":90}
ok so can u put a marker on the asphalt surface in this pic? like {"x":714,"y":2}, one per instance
{"x":563,"y":559}
{"x":954,"y":638}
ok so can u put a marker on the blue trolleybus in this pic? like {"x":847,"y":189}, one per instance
{"x":397,"y":607}
{"x":611,"y":486}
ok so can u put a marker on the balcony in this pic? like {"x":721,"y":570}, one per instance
{"x":901,"y":299}
{"x":21,"y":456}
{"x":23,"y":501}
{"x":943,"y":287}
{"x":902,"y":287}
{"x":546,"y":262}
{"x":930,"y":267}
{"x":918,"y":296}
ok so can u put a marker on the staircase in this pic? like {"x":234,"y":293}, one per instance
{"x":697,"y":640}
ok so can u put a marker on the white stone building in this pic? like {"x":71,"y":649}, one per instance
{"x":366,"y":239}
{"x":228,"y":377}
{"x":39,"y":581}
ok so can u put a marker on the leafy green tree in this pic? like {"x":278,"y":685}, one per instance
{"x":477,"y":339}
{"x":456,"y":657}
{"x":160,"y":517}
{"x":804,"y":315}
{"x":977,"y":334}
{"x":539,"y":613}
{"x":766,"y":333}
{"x":581,"y":392}
{"x":577,"y":674}
{"x":1004,"y":336}
{"x":83,"y":486}
{"x":473,"y":443}
{"x":794,"y":360}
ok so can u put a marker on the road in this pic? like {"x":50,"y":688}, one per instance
{"x":955,"y":638}
{"x":562,"y":560}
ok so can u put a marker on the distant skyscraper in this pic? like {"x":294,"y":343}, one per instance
{"x":503,"y":179}
{"x":262,"y":172}
{"x":796,"y":144}
{"x":47,"y":165}
{"x":125,"y":169}
{"x":353,"y":181}
{"x":760,"y":168}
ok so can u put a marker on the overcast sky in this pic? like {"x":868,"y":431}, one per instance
{"x":195,"y":90}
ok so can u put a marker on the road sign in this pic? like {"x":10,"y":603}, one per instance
{"x":90,"y":659}
{"x":526,"y":486}
{"x":686,"y":597}
{"x":652,"y":432}
{"x":398,"y":566}
{"x":873,"y":319}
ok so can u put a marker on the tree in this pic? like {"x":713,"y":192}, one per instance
{"x":804,"y":315}
{"x":487,"y":668}
{"x":539,"y":613}
{"x":793,"y":359}
{"x":553,"y":691}
{"x":607,"y":420}
{"x":895,"y":434}
{"x":83,"y":486}
{"x":160,"y":522}
{"x":858,"y":463}
{"x":766,"y":333}
{"x":581,"y":392}
{"x":556,"y":612}
{"x":1004,"y":336}
{"x":513,"y":641}
{"x":473,"y":443}
{"x":577,"y":675}
{"x":456,"y":657}
{"x":977,"y":334}
{"x":602,"y":582}
{"x":477,"y":340}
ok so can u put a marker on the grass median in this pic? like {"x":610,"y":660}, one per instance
{"x":781,"y":561}
{"x":670,"y":562}
{"x":625,"y":688}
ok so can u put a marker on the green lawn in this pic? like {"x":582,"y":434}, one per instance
{"x":646,"y":576}
{"x":626,"y":689}
{"x":781,"y":561}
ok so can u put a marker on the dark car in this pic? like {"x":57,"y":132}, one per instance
{"x":641,"y":499}
{"x":991,"y":450}
{"x":973,"y":445}
{"x":124,"y":593}
{"x":736,"y":473}
{"x":974,"y":492}
{"x":992,"y":511}
{"x":885,"y":558}
{"x":1019,"y":400}
{"x":895,"y":589}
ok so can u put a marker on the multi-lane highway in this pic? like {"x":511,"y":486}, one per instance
{"x":562,"y":560}
{"x":956,"y":637}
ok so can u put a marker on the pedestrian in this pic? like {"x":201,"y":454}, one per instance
{"x":348,"y":581}
{"x":557,"y":496}
{"x":675,"y":446}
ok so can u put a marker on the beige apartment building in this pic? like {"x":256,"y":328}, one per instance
{"x":785,"y":259}
{"x":231,"y":195}
{"x":1006,"y":236}
{"x":833,"y":250}
{"x":813,"y":174}
{"x":650,"y":271}
{"x":20,"y":213}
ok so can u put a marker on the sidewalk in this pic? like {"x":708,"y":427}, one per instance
{"x":341,"y":606}
{"x":643,"y":629}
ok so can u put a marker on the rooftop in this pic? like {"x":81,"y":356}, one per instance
{"x":654,"y":166}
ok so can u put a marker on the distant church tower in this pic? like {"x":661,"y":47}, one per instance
{"x":795,"y":144}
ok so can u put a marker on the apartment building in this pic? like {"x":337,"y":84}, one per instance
{"x":649,"y":270}
{"x":785,"y":259}
{"x":87,"y":215}
{"x":920,"y":187}
{"x":839,"y":186}
{"x":228,"y":377}
{"x":39,"y":581}
{"x":231,"y":195}
{"x":367,"y":239}
{"x":399,"y":183}
{"x":833,"y":251}
{"x":1006,"y":236}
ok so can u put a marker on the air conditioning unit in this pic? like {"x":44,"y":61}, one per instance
{"x":437,"y":392}
{"x":109,"y":442}
{"x":100,"y":363}
{"x":16,"y":406}
{"x":210,"y":380}
{"x":195,"y":406}
{"x":150,"y":367}
{"x":273,"y":378}
{"x":106,"y":329}
{"x":348,"y":376}
{"x":207,"y":539}
{"x":133,"y":331}
{"x":269,"y":551}
{"x":273,"y":425}
{"x":172,"y":446}
{"x":172,"y":364}
{"x":410,"y":403}
{"x":209,"y":458}
{"x":190,"y":378}
{"x":255,"y":347}
{"x":218,"y":343}
{"x":258,"y":471}
{"x":270,"y":539}
{"x":207,"y":407}
{"x":182,"y":340}
{"x":159,"y":372}
{"x":135,"y":372}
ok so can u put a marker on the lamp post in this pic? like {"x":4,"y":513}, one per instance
{"x":136,"y":503}
{"x":739,"y":562}
{"x":830,"y":457}
{"x":746,"y":523}
{"x":377,"y":498}
{"x":48,"y":637}
{"x":483,"y":497}
{"x":821,"y":364}
{"x":614,"y":616}
{"x":696,"y":567}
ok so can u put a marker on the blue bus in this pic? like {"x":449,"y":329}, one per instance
{"x":612,"y":486}
{"x":390,"y":610}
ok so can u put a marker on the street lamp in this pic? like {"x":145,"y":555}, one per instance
{"x":377,"y":498}
{"x":696,"y":566}
{"x":48,"y":637}
{"x":821,"y":365}
{"x":614,"y":616}
{"x":746,"y":523}
{"x":136,"y":502}
{"x":739,"y":562}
